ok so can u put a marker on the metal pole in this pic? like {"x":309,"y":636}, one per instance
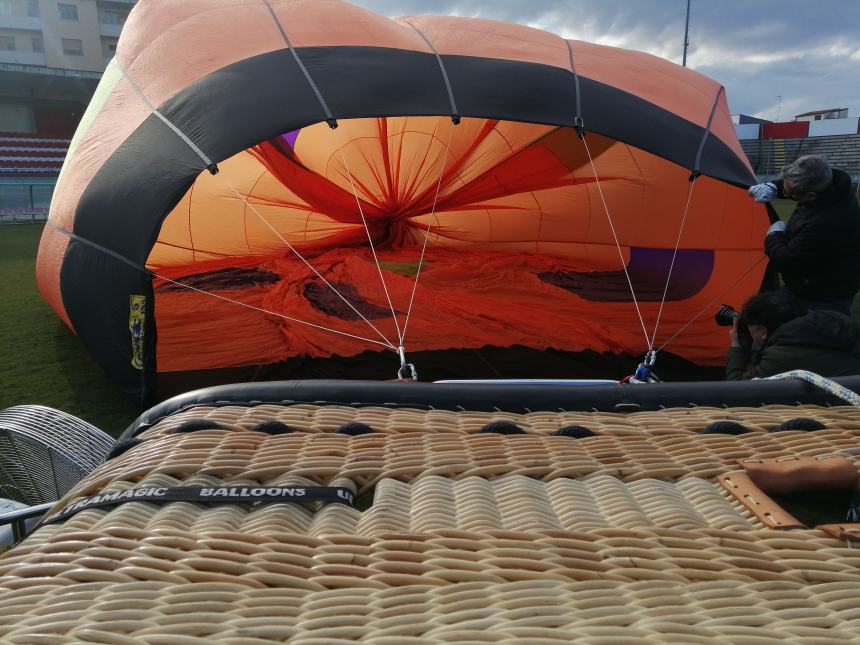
{"x":686,"y":33}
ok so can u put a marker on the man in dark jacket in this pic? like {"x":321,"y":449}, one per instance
{"x":788,"y":337}
{"x":817,"y":252}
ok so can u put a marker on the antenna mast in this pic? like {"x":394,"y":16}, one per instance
{"x":686,"y":33}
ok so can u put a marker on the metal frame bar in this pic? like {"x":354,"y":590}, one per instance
{"x":18,"y":519}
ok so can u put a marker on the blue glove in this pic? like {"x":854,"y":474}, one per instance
{"x":776,"y":227}
{"x":763,"y":193}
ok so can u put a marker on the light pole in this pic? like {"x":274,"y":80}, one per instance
{"x":686,"y":32}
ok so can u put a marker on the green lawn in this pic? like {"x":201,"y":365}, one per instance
{"x":783,"y":207}
{"x":41,"y":361}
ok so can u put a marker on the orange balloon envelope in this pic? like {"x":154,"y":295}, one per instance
{"x":336,"y":185}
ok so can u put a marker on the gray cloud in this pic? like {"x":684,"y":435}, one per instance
{"x":806,"y":52}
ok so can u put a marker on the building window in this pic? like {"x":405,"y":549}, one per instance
{"x":73,"y":47}
{"x":68,"y":11}
{"x":33,"y":8}
{"x":6,"y":7}
{"x":7,"y":43}
{"x":109,"y":17}
{"x":37,"y":46}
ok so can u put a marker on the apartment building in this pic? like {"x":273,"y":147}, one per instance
{"x":52,"y":55}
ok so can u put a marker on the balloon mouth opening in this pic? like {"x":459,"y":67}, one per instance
{"x":486,"y":232}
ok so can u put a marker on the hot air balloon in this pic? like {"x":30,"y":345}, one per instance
{"x":308,"y":183}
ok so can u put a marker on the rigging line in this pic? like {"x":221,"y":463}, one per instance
{"x":698,"y":163}
{"x":151,"y":275}
{"x":273,"y":313}
{"x":277,"y":233}
{"x":712,"y":302}
{"x":427,"y":230}
{"x":696,"y":167}
{"x":455,"y":114}
{"x":672,"y":264}
{"x":99,"y":247}
{"x":369,"y":237}
{"x":213,"y":169}
{"x":328,"y":115}
{"x":617,"y":244}
{"x":578,"y":116}
{"x":210,"y":165}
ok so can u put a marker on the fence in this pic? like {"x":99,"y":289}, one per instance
{"x":23,"y":215}
{"x":768,"y":156}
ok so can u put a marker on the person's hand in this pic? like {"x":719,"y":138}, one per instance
{"x":776,"y":227}
{"x":763,"y":193}
{"x":733,"y":333}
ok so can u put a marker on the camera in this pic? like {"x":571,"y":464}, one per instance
{"x":726,"y":315}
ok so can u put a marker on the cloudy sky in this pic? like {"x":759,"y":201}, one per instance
{"x":807,"y":52}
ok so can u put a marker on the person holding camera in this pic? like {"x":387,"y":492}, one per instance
{"x":775,"y":333}
{"x":816,"y":251}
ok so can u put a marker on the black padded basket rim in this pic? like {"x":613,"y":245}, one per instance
{"x":500,"y":397}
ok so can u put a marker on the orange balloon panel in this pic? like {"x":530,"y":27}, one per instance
{"x":308,"y":240}
{"x":521,"y":233}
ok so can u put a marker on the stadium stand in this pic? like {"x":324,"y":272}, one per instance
{"x":767,"y":156}
{"x":29,"y":166}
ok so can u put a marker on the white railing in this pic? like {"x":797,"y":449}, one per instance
{"x":110,"y":29}
{"x":22,"y":58}
{"x":24,"y":23}
{"x":23,"y":215}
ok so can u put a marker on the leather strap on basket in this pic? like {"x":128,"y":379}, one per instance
{"x":763,"y":507}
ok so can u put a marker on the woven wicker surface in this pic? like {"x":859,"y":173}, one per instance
{"x":532,"y":611}
{"x":188,"y":545}
{"x":326,"y":418}
{"x":260,"y":458}
{"x":620,"y":538}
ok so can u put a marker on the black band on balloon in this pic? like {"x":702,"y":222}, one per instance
{"x":99,"y":247}
{"x":329,"y":117}
{"x":455,"y":113}
{"x":578,"y":121}
{"x":707,"y":132}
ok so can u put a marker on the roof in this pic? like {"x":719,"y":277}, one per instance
{"x":814,"y":112}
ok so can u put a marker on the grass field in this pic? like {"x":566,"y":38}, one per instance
{"x":41,"y":361}
{"x":783,"y":207}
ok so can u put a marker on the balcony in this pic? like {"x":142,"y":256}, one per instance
{"x":110,"y":29}
{"x":23,"y":23}
{"x":22,"y":58}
